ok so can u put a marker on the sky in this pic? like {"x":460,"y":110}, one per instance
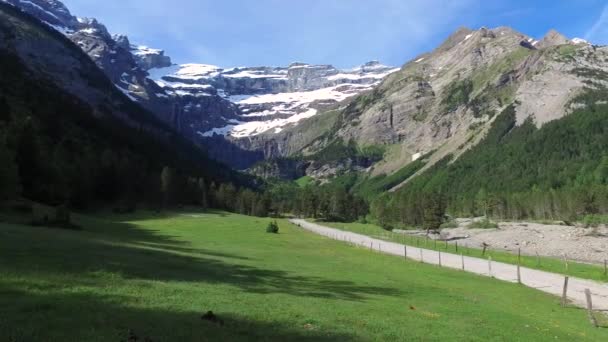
{"x":345,"y":33}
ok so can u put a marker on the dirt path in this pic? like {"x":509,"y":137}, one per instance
{"x":544,"y":281}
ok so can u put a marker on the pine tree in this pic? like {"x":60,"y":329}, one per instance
{"x":5,"y":111}
{"x":204,"y":196}
{"x":380,"y":211}
{"x":9,"y":173}
{"x":434,"y":211}
{"x":167,"y":183}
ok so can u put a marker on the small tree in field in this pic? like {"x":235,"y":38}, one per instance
{"x":272,"y":228}
{"x":434,"y":212}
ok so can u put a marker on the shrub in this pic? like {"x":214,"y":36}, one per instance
{"x":483,"y":224}
{"x":449,"y":224}
{"x":594,"y":220}
{"x":272,"y":228}
{"x":387,"y":226}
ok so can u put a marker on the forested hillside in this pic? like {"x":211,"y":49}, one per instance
{"x":57,"y":148}
{"x":558,"y":172}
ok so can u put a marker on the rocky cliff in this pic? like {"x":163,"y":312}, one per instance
{"x":222,"y":109}
{"x":445,"y":100}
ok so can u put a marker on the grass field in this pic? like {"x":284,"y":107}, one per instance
{"x":156,"y":275}
{"x":586,"y":271}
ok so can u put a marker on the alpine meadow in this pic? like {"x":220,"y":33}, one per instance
{"x":459,"y":194}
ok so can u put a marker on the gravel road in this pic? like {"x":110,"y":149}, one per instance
{"x":544,"y":281}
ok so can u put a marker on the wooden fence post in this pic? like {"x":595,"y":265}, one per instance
{"x":421,"y":259}
{"x":404,"y":251}
{"x":462,"y":258}
{"x":565,"y":292}
{"x":590,"y":308}
{"x":519,"y":265}
{"x":456,"y":246}
{"x":439,"y":258}
{"x":605,"y":267}
{"x":490,"y":266}
{"x":537,"y":259}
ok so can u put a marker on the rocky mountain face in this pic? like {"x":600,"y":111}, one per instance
{"x":126,"y":65}
{"x":54,"y":60}
{"x":268,"y":98}
{"x":444,"y":101}
{"x":264,"y":101}
{"x":234,"y":112}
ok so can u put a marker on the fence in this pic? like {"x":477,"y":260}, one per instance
{"x":580,"y":293}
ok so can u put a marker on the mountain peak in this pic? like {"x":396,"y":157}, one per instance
{"x":553,"y":38}
{"x":459,"y":35}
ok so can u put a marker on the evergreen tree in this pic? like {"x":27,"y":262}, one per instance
{"x":167,"y":181}
{"x":5,"y":111}
{"x":380,"y":211}
{"x":434,"y":211}
{"x":32,"y":170}
{"x":9,"y":173}
{"x":204,"y":196}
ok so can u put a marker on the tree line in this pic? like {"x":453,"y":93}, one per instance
{"x":556,"y":172}
{"x":57,"y":150}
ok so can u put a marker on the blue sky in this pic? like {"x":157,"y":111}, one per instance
{"x":345,"y":33}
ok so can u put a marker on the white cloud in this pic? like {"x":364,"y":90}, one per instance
{"x":598,"y":33}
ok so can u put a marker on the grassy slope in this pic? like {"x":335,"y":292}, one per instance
{"x":302,"y":182}
{"x":585,"y":271}
{"x":157,"y":274}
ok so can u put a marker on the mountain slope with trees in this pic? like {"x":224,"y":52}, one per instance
{"x":68,"y":135}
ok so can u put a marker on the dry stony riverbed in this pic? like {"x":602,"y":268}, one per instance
{"x":576,"y":243}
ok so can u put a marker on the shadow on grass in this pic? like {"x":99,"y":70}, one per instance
{"x":69,"y":317}
{"x":135,"y":253}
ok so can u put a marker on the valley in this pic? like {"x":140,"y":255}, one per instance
{"x":177,"y":195}
{"x":160,"y":273}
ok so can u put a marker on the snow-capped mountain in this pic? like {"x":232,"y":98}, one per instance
{"x":204,"y":102}
{"x":269,"y":98}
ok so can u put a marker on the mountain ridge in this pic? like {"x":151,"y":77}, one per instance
{"x":198,"y":110}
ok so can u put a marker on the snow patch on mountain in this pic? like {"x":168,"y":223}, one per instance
{"x":269,"y":98}
{"x":251,"y":128}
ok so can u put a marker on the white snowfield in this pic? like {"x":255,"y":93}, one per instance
{"x":274,"y":111}
{"x":544,"y":281}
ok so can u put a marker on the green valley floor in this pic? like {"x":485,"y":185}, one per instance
{"x":154,"y":275}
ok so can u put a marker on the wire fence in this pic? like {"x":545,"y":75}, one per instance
{"x":579,"y":292}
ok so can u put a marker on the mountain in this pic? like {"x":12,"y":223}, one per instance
{"x":491,"y":121}
{"x":220,"y":109}
{"x":445,"y":101}
{"x":451,"y":118}
{"x":75,"y":137}
{"x":265,"y":102}
{"x":268,"y":98}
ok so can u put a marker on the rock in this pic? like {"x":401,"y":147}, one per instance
{"x":148,"y":58}
{"x":211,"y":317}
{"x":553,"y":38}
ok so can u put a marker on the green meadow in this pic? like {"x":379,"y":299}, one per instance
{"x":154,"y":276}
